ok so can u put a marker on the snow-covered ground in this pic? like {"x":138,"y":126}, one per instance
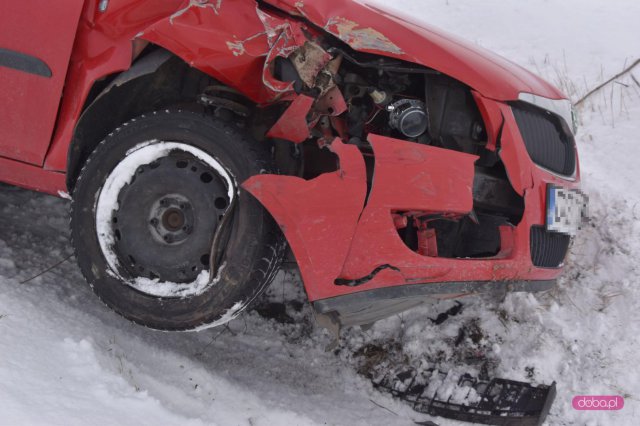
{"x":65,"y":359}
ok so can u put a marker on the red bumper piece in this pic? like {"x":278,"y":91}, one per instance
{"x":345,"y":245}
{"x":318,"y":216}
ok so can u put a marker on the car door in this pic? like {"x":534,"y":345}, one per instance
{"x":36,"y":39}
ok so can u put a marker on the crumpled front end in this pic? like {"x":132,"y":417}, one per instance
{"x":435,"y":223}
{"x":455,"y":207}
{"x":413,"y":164}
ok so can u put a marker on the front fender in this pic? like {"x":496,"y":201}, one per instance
{"x":232,"y":41}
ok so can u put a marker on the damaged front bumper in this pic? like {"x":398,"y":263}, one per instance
{"x":356,"y":269}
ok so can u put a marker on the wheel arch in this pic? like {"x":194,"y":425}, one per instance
{"x":199,"y":37}
{"x":157,"y":80}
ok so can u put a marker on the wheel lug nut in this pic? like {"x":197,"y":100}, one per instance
{"x":168,"y":238}
{"x":163,"y":202}
{"x":154,"y":221}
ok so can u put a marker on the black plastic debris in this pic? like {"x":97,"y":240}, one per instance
{"x":501,"y":402}
{"x":453,"y":311}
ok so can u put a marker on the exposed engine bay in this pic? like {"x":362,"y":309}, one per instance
{"x":347,"y":94}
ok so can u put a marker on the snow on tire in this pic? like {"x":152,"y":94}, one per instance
{"x":161,"y":229}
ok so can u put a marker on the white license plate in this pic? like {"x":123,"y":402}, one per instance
{"x":566,"y":209}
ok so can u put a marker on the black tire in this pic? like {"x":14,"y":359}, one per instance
{"x":253,"y":248}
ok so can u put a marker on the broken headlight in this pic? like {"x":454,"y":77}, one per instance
{"x":409,"y":117}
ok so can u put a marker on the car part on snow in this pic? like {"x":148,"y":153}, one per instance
{"x":466,"y":393}
{"x":453,"y":311}
{"x":499,"y":402}
{"x":502,"y":402}
{"x":148,"y":208}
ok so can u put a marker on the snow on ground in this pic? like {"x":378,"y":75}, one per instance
{"x":66,"y":359}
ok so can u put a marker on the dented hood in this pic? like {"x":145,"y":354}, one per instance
{"x":371,"y":28}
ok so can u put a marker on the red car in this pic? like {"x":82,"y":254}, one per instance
{"x":196,"y":138}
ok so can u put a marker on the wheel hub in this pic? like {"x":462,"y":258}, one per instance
{"x":171,"y":219}
{"x":166,"y":218}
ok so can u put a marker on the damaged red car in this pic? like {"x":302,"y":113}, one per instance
{"x":199,"y":139}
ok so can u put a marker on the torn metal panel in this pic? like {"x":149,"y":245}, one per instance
{"x":305,"y":112}
{"x":275,"y":28}
{"x":317,"y":216}
{"x":492,"y":118}
{"x":271,"y":24}
{"x":231,"y":50}
{"x":413,"y":178}
{"x":332,"y":103}
{"x":360,"y":38}
{"x":326,"y":78}
{"x":513,"y":153}
{"x":337,"y":240}
{"x":430,"y":175}
{"x":213,"y":5}
{"x":292,"y":124}
{"x":233,"y":41}
{"x":309,"y":60}
{"x":281,"y":48}
{"x":315,"y":67}
{"x":252,"y":46}
{"x":290,"y":39}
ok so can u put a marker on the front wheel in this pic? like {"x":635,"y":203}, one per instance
{"x":161,"y":229}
